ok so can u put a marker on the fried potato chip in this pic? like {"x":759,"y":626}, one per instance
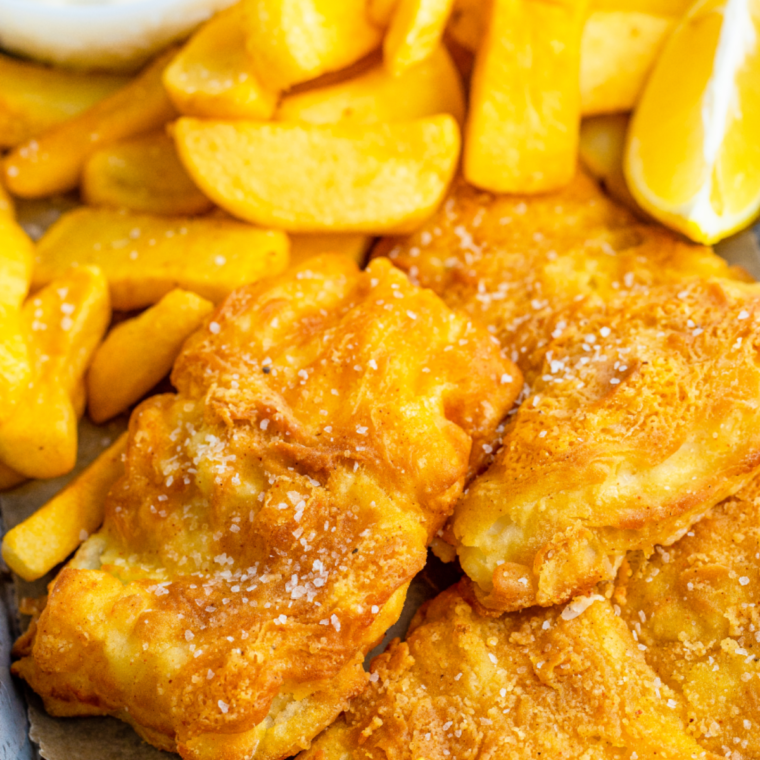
{"x":370,"y":178}
{"x":142,"y":174}
{"x":431,"y":87}
{"x":524,"y":118}
{"x":618,"y":50}
{"x":292,"y":41}
{"x":34,"y":98}
{"x":64,"y":323}
{"x":16,"y":257}
{"x":139,"y":352}
{"x":144,"y":257}
{"x":415,"y":32}
{"x":213,"y":75}
{"x":303,"y":247}
{"x":53,"y":162}
{"x":37,"y":545}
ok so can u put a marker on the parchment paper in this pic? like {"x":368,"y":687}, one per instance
{"x":107,"y":738}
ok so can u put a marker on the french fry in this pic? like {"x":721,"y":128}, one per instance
{"x":372,"y":178}
{"x":53,"y":162}
{"x":64,"y":323}
{"x":303,"y":247}
{"x":292,"y":41}
{"x":415,"y":32}
{"x":37,"y":545}
{"x":34,"y":98}
{"x":142,"y":174}
{"x":524,"y":118}
{"x":137,"y":353}
{"x":670,"y":8}
{"x":213,"y":76}
{"x":601,"y":147}
{"x":16,"y":258}
{"x":618,"y":51}
{"x":467,"y":23}
{"x":145,"y":256}
{"x":431,"y":87}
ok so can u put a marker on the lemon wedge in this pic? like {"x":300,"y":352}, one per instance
{"x":693,"y":150}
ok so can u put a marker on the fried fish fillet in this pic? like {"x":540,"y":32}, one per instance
{"x":551,"y":684}
{"x":644,"y":378}
{"x":694,"y":607}
{"x":272,"y":513}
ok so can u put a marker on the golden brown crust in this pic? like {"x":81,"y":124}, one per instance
{"x":693,"y":606}
{"x":640,"y":413}
{"x":544,"y":684}
{"x":272,"y":513}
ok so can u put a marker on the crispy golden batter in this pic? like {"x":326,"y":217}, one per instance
{"x":694,"y":606}
{"x":515,"y":262}
{"x":532,"y":685}
{"x":640,"y":351}
{"x":272,"y":513}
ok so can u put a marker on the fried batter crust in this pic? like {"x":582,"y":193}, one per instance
{"x":272,"y":513}
{"x":640,"y":353}
{"x":694,"y":606}
{"x":537,"y":684}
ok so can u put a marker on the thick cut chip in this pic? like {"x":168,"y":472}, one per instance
{"x":144,"y":257}
{"x":143,"y":174}
{"x":432,"y":86}
{"x":415,"y":32}
{"x":618,"y":50}
{"x":213,"y":76}
{"x":63,"y":324}
{"x":53,"y":162}
{"x":524,"y":117}
{"x":34,"y":98}
{"x":638,"y":351}
{"x":292,"y":41}
{"x":16,"y":257}
{"x":272,"y":513}
{"x":355,"y":177}
{"x":140,"y":351}
{"x":552,"y":684}
{"x":37,"y":545}
{"x":694,"y":608}
{"x":304,"y":247}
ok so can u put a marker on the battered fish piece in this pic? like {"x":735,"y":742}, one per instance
{"x":641,"y":413}
{"x":694,"y":607}
{"x":272,"y":513}
{"x":515,"y":262}
{"x":546,"y":684}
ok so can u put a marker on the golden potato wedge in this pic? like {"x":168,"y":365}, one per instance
{"x":37,"y":545}
{"x":142,"y":174}
{"x":602,"y":145}
{"x":415,"y":32}
{"x":431,"y":87}
{"x":138,"y":353}
{"x":524,"y":117}
{"x":381,"y":11}
{"x":64,"y":324}
{"x":16,"y":258}
{"x":292,"y":41}
{"x":213,"y":75}
{"x":618,"y":51}
{"x":303,"y":247}
{"x":53,"y":162}
{"x":145,"y":256}
{"x":372,"y":178}
{"x":34,"y":98}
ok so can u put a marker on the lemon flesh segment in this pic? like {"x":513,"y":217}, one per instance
{"x":693,"y":157}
